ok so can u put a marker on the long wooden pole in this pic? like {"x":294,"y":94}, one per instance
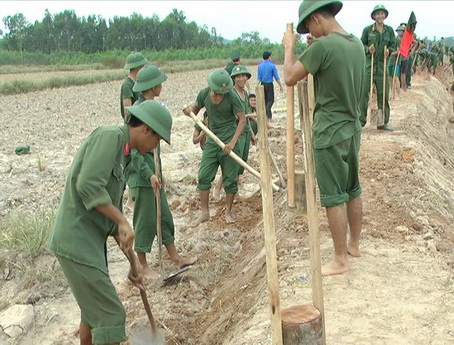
{"x":158,"y":212}
{"x":290,"y":140}
{"x":369,"y":107}
{"x":306,"y":105}
{"x":268,"y":220}
{"x":231,"y":154}
{"x":382,"y":120}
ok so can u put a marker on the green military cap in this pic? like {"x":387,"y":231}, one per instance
{"x":219,"y":81}
{"x":149,"y":77}
{"x":155,"y":115}
{"x":239,"y":70}
{"x":379,"y":8}
{"x":135,"y":60}
{"x":308,"y":7}
{"x":403,"y":24}
{"x":235,"y":55}
{"x":400,"y":28}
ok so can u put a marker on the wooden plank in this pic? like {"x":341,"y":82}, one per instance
{"x":306,"y":104}
{"x":290,"y":140}
{"x":268,"y":220}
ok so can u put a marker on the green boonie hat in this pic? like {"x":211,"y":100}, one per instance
{"x":235,"y":55}
{"x":149,"y":77}
{"x":135,"y":60}
{"x":379,"y":8}
{"x":308,"y":7}
{"x":239,"y":70}
{"x":155,"y":115}
{"x":219,"y":81}
{"x":400,"y":28}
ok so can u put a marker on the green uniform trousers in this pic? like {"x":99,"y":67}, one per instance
{"x":213,"y":157}
{"x":244,"y":143}
{"x":144,"y":219}
{"x":378,"y":81}
{"x":100,"y":307}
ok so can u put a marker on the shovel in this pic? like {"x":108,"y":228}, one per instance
{"x":145,"y":336}
{"x":165,"y":279}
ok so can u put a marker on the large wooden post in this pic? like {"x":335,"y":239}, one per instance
{"x":307,"y":103}
{"x":290,"y":140}
{"x":302,"y":325}
{"x":268,"y":219}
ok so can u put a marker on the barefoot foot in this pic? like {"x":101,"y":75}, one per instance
{"x":229,"y":219}
{"x":181,"y":262}
{"x":204,"y":217}
{"x":149,"y":273}
{"x":353,"y":250}
{"x":334,"y":267}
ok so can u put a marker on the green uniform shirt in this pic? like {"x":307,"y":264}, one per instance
{"x":222,"y":116}
{"x":142,"y":165}
{"x":126,"y":92}
{"x":95,"y":178}
{"x":379,"y":40}
{"x":392,"y":58}
{"x":337,"y":63}
{"x":246,"y":107}
{"x":230,"y":65}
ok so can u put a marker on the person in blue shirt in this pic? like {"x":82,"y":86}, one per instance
{"x":267,"y":73}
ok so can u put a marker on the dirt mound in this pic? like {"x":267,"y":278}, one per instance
{"x":400,"y":291}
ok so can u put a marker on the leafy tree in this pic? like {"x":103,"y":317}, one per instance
{"x":17,"y":26}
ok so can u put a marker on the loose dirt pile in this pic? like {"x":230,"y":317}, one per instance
{"x":400,"y":292}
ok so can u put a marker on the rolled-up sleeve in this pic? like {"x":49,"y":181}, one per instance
{"x":97,"y":169}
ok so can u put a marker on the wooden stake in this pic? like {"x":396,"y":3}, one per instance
{"x":369,"y":107}
{"x":231,"y":154}
{"x":290,"y":140}
{"x":306,"y":104}
{"x":381,"y":120}
{"x":268,"y":219}
{"x":158,"y":213}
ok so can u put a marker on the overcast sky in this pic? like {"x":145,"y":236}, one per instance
{"x":232,"y":18}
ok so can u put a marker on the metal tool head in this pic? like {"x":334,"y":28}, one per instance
{"x":167,"y":279}
{"x":146,"y":337}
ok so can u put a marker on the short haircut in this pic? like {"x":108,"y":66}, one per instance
{"x":252,"y":95}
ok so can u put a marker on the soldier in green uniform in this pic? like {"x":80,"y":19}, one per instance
{"x":376,"y":38}
{"x":441,"y":54}
{"x":224,"y":108}
{"x":432,"y":61}
{"x":253,"y":104}
{"x":144,"y":183}
{"x":90,"y":212}
{"x":241,"y":75}
{"x":451,"y":59}
{"x":134,"y":63}
{"x":336,"y":60}
{"x":235,"y":56}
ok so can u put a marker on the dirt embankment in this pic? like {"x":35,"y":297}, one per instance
{"x":400,"y":291}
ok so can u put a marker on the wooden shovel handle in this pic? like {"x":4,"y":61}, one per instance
{"x":231,"y":154}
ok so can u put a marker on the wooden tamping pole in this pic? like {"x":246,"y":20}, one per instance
{"x":290,"y":140}
{"x":268,"y":220}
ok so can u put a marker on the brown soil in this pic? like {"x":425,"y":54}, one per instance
{"x":400,"y":292}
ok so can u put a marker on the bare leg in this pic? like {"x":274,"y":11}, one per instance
{"x":396,"y":80}
{"x":338,"y":221}
{"x":355,"y":221}
{"x":217,"y":189}
{"x":147,"y":271}
{"x":403,"y":78}
{"x":85,"y":334}
{"x":129,"y":202}
{"x":177,"y":259}
{"x":228,"y":208}
{"x":393,"y":93}
{"x":205,"y":213}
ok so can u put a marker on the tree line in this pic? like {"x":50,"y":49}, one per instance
{"x":66,"y":32}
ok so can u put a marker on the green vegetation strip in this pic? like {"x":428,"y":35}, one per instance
{"x":20,"y":86}
{"x":27,"y":233}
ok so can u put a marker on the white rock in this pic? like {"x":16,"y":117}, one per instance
{"x":17,"y":320}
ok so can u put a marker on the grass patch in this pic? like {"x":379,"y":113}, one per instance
{"x":27,"y":233}
{"x":13,"y":69}
{"x":20,"y":86}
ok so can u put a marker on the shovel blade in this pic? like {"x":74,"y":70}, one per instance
{"x":174,"y":274}
{"x":146,"y":337}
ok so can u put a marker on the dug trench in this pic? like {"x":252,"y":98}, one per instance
{"x":399,"y":292}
